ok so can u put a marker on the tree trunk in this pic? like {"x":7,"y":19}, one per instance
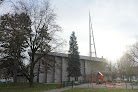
{"x":123,"y":76}
{"x":15,"y":72}
{"x":15,"y":75}
{"x":46,"y":72}
{"x":30,"y":83}
{"x":61,"y":69}
{"x":31,"y":71}
{"x":69,"y":78}
{"x":76,"y":78}
{"x":46,"y":76}
{"x":31,"y":77}
{"x":84,"y":71}
{"x":38,"y":71}
{"x":54,"y":72}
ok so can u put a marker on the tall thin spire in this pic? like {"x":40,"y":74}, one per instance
{"x":92,"y":47}
{"x":90,"y":50}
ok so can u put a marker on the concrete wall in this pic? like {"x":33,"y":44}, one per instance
{"x":58,"y":71}
{"x":42,"y":77}
{"x":21,"y":79}
{"x":64,"y":69}
{"x":93,"y":67}
{"x":82,"y":68}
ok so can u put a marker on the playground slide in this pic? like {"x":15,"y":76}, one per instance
{"x":93,"y":81}
{"x":100,"y":76}
{"x":106,"y":81}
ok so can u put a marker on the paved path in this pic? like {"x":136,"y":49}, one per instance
{"x":67,"y":88}
{"x":58,"y":90}
{"x":88,"y":85}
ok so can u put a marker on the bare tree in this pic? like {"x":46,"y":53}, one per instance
{"x":133,"y":53}
{"x":44,"y":65}
{"x":133,"y":56}
{"x":126,"y":66}
{"x":43,"y":38}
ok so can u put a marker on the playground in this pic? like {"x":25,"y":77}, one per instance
{"x":100,"y":82}
{"x":99,"y":90}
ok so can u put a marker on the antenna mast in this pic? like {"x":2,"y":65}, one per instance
{"x":92,"y":47}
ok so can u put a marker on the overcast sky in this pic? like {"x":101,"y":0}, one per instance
{"x":114,"y":24}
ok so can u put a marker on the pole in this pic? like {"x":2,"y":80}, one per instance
{"x":126,"y":84}
{"x":72,"y":83}
{"x":132,"y":84}
{"x":61,"y":84}
{"x":90,"y":52}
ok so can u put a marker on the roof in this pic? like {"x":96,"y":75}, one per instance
{"x":81,"y":56}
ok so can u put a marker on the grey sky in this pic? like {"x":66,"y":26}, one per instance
{"x":114,"y":24}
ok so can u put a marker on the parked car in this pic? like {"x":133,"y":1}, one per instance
{"x":3,"y":80}
{"x":10,"y":80}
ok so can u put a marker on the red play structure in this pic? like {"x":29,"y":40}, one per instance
{"x":99,"y":79}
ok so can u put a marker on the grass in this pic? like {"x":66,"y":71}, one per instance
{"x":24,"y":87}
{"x":100,"y":90}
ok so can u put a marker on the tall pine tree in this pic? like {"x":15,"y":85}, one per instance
{"x":74,"y":58}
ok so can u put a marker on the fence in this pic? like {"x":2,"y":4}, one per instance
{"x":72,"y":83}
{"x":122,"y":85}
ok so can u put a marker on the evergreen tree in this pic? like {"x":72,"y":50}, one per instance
{"x":14,"y":29}
{"x":74,"y":58}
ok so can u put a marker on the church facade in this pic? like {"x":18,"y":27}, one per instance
{"x":53,"y":68}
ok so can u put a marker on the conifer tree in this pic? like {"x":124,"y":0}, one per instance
{"x":14,"y":30}
{"x":74,"y":58}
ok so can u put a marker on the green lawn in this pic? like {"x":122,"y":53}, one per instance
{"x":24,"y":87}
{"x":100,"y":90}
